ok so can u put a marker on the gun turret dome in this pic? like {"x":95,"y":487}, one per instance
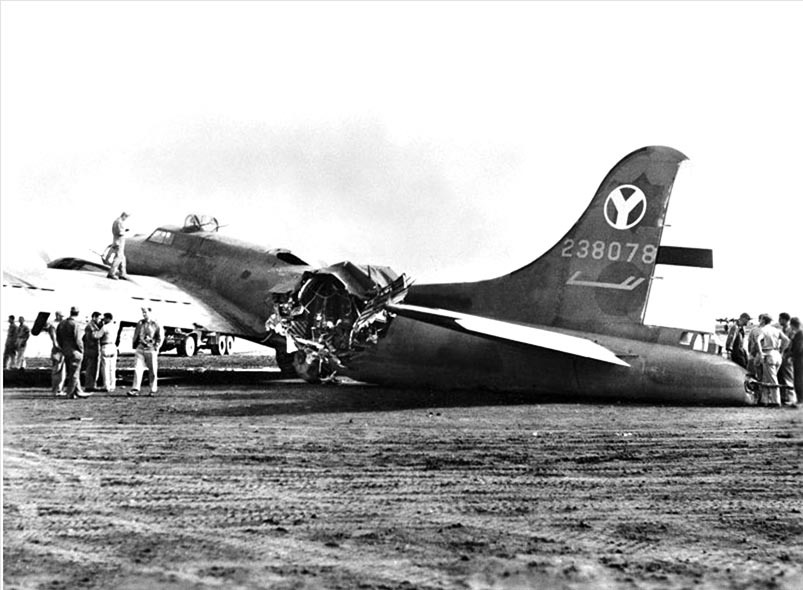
{"x":194,"y":223}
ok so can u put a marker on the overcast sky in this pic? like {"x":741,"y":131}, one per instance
{"x":451,"y":141}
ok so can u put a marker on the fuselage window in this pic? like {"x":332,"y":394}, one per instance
{"x":161,"y":237}
{"x":695,"y":340}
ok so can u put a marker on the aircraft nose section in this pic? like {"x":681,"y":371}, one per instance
{"x":727,"y":381}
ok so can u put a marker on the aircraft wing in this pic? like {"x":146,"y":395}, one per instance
{"x":509,"y":332}
{"x":47,"y":290}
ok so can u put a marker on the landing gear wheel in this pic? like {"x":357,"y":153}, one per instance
{"x":285,"y":362}
{"x":188,"y":346}
{"x":229,"y":344}
{"x":307,"y":366}
{"x":220,"y":346}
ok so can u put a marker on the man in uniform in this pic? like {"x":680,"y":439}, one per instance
{"x":68,"y":337}
{"x":786,"y":375}
{"x":119,"y":230}
{"x":147,"y":342}
{"x":754,"y":350}
{"x":796,"y":352}
{"x":735,"y":342}
{"x":771,"y":341}
{"x":10,"y":351}
{"x":108,"y":354}
{"x":91,"y":362}
{"x":57,"y":373}
{"x":23,"y":334}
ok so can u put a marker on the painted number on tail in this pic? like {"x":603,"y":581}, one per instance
{"x":613,"y":251}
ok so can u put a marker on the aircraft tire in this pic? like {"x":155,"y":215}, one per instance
{"x":222,"y":345}
{"x":188,"y":346}
{"x":285,"y":362}
{"x":308,"y":371}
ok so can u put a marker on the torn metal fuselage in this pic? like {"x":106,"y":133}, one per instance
{"x":334,"y":313}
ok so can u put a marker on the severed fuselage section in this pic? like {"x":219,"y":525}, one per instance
{"x":334,"y":313}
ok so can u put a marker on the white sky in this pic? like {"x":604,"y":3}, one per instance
{"x":451,"y":141}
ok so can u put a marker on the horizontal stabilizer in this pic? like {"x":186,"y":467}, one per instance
{"x":499,"y":330}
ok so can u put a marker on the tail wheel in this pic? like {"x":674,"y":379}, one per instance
{"x":188,"y":346}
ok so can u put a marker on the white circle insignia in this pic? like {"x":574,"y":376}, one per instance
{"x":625,"y":206}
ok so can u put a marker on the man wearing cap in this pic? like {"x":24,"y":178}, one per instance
{"x":147,"y":342}
{"x":735,"y":342}
{"x":68,"y":337}
{"x":119,"y":230}
{"x":771,"y":342}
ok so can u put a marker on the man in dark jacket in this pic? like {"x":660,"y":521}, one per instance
{"x":91,"y":360}
{"x":735,"y":342}
{"x":796,"y":352}
{"x":70,"y":340}
{"x":10,"y":353}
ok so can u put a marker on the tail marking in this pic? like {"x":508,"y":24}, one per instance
{"x":628,"y":284}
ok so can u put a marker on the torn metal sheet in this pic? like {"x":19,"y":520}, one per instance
{"x":334,"y":312}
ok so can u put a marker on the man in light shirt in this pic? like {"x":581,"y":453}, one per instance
{"x":772,"y":341}
{"x":147,"y":342}
{"x":108,"y":353}
{"x":57,"y":368}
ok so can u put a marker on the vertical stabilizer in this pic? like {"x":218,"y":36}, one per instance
{"x":598,"y":275}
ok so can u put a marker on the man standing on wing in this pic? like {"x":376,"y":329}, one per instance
{"x":119,"y":231}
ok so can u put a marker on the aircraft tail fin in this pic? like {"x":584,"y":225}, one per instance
{"x":599,"y":273}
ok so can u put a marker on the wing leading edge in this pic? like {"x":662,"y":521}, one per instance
{"x":509,"y":332}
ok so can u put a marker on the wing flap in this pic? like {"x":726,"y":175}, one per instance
{"x":506,"y":331}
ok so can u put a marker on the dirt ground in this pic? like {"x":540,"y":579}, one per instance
{"x":276,"y":484}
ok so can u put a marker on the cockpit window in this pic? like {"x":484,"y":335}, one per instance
{"x":161,"y":236}
{"x":290,"y":258}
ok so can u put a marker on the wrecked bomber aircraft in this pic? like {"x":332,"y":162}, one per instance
{"x":569,"y":323}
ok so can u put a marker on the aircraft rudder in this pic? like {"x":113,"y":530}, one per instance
{"x":600,"y":271}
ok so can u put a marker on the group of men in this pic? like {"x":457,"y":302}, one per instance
{"x":772,"y":355}
{"x":16,"y":343}
{"x":91,"y":351}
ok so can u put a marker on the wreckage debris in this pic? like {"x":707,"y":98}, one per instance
{"x":335,"y":313}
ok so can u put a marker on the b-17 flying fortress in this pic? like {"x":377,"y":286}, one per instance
{"x":569,"y":324}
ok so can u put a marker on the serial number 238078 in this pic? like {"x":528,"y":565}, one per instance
{"x":609,"y":250}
